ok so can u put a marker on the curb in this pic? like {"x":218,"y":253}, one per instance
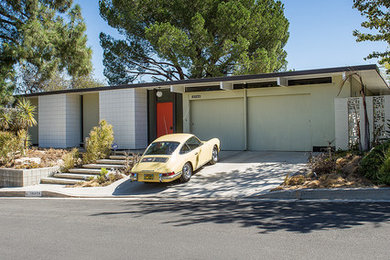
{"x":345,"y":194}
{"x":30,"y":194}
{"x":331,"y":194}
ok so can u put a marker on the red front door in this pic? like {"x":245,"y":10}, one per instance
{"x":164,"y":118}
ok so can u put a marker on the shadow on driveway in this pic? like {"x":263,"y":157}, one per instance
{"x":301,"y":217}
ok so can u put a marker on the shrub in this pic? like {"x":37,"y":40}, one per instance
{"x":323,"y":164}
{"x":130,"y":161}
{"x":19,"y":118}
{"x":10,"y":145}
{"x":98,"y":144}
{"x":384,"y":171}
{"x":375,"y":165}
{"x":71,"y":160}
{"x":102,"y":177}
{"x":294,"y":180}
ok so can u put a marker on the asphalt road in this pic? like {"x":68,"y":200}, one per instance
{"x":123,"y":229}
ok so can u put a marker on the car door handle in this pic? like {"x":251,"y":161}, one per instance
{"x":196,"y":153}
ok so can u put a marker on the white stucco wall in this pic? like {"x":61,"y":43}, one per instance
{"x":126,"y":111}
{"x":341,"y":123}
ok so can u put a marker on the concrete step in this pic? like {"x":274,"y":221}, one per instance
{"x":77,"y":176}
{"x":53,"y":180}
{"x":118,"y":157}
{"x":121,"y":152}
{"x":85,"y":171}
{"x":110,"y":161}
{"x":99,"y":166}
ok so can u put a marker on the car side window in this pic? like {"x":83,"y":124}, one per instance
{"x":193,"y":143}
{"x":185,"y":149}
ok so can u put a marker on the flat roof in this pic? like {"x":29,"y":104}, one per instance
{"x":239,"y":78}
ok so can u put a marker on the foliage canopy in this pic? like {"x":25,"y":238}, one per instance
{"x":180,"y":39}
{"x":378,"y":19}
{"x":48,"y":35}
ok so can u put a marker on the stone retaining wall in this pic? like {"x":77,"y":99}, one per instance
{"x":24,"y":177}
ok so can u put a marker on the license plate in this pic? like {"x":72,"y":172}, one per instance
{"x":148,"y":176}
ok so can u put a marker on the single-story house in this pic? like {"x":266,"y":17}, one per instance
{"x":283,"y":111}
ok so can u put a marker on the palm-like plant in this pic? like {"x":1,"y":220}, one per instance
{"x":25,"y":116}
{"x":5,"y":119}
{"x":26,"y":112}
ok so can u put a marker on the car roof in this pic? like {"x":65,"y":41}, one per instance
{"x":174,"y":138}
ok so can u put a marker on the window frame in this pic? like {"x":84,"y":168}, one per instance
{"x":188,"y":146}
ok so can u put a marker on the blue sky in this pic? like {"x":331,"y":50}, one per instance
{"x":320,"y":34}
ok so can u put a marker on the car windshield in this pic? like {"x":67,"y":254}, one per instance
{"x":162,"y":148}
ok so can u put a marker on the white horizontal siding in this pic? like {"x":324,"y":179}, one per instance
{"x":73,"y":120}
{"x":52,"y":121}
{"x":117,"y":108}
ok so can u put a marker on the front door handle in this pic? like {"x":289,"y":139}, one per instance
{"x":196,"y":153}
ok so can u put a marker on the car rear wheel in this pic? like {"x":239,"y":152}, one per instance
{"x":186,"y":172}
{"x":214,"y":156}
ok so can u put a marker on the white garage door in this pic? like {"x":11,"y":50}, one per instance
{"x":222,"y":118}
{"x":279,"y":123}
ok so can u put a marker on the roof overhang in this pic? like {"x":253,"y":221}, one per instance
{"x":371,"y":75}
{"x":373,"y":80}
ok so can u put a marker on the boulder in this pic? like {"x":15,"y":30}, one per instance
{"x":28,"y":160}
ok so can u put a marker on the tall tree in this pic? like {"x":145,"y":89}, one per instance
{"x":180,"y":39}
{"x":29,"y":81}
{"x":46,"y":34}
{"x":378,"y":19}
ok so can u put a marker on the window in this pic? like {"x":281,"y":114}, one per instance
{"x":162,"y":148}
{"x":205,"y":88}
{"x":324,"y":80}
{"x":256,"y":85}
{"x":185,"y":149}
{"x":193,"y":143}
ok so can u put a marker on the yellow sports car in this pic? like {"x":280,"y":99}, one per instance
{"x":174,"y":156}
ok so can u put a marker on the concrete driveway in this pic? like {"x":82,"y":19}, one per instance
{"x":237,"y":174}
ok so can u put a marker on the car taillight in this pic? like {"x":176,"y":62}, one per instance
{"x":168,"y":174}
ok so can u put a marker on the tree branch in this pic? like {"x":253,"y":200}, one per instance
{"x":2,"y":36}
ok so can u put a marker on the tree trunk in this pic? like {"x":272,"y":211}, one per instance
{"x":367,"y":138}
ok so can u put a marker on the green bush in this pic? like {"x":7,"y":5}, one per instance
{"x":384,"y":170}
{"x":71,"y":160}
{"x":375,"y":165}
{"x":101,"y":178}
{"x":10,"y":145}
{"x":98,"y":144}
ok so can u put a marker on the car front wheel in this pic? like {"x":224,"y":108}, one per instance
{"x":186,"y":173}
{"x":214,"y":156}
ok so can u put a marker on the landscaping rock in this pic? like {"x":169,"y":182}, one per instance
{"x":352,"y":166}
{"x":28,"y":160}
